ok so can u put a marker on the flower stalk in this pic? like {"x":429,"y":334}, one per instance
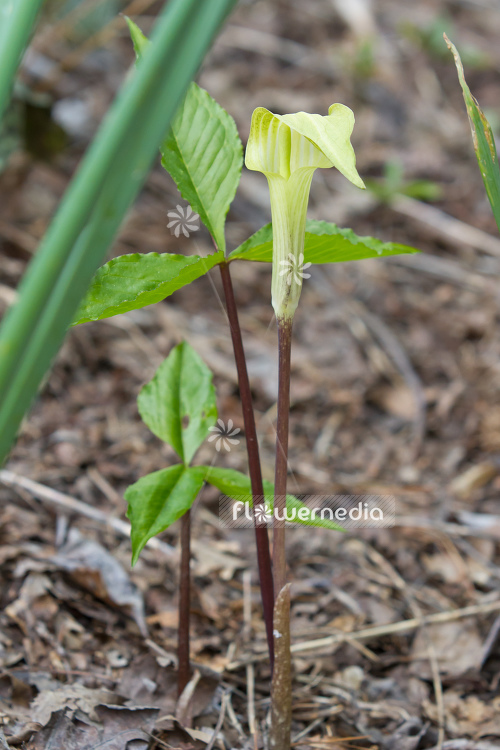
{"x":288,"y":149}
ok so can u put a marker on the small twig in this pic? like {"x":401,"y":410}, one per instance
{"x":449,"y":270}
{"x":490,"y":642}
{"x":466,"y":745}
{"x":379,"y":631}
{"x":445,"y":225}
{"x":490,"y":531}
{"x":247,"y":618}
{"x":68,"y":504}
{"x":99,"y":39}
{"x":264,"y":43}
{"x":18,"y":237}
{"x":7,"y":294}
{"x":401,"y":360}
{"x":233,"y":718}
{"x":220,"y":722}
{"x":183,"y":703}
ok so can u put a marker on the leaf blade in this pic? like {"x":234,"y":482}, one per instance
{"x":159,"y":499}
{"x":132,"y":281}
{"x":325,"y":242}
{"x":482,"y":137}
{"x":181,"y":389}
{"x":203,"y":154}
{"x":236,"y":485}
{"x":16,"y":23}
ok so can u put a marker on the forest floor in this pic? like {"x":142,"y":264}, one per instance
{"x":395,"y":392}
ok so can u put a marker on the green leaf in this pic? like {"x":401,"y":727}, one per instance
{"x":236,"y":485}
{"x":16,"y":24}
{"x":133,"y":281}
{"x":178,"y":404}
{"x":159,"y":499}
{"x":482,"y":137}
{"x":203,"y":154}
{"x":324,"y":243}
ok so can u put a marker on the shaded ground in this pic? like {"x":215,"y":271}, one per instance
{"x":396,"y":386}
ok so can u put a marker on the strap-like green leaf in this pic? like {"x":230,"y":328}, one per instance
{"x":159,"y":499}
{"x":236,"y":485}
{"x":324,"y":243}
{"x":16,"y":22}
{"x":482,"y":137}
{"x":133,"y":281}
{"x":106,"y":183}
{"x":178,"y":404}
{"x":203,"y":154}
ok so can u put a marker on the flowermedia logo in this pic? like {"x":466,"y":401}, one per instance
{"x":225,"y":436}
{"x":294,"y":269}
{"x":329,"y":511}
{"x":183,"y":219}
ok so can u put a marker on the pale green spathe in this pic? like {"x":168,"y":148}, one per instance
{"x":287,"y":149}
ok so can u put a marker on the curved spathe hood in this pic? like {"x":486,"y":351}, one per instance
{"x":282,"y":144}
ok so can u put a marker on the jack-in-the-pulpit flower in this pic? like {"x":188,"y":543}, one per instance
{"x":287,"y":149}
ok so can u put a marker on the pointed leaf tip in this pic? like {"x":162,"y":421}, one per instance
{"x":139,"y":40}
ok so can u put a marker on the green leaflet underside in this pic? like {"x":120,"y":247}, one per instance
{"x":324,"y":243}
{"x":130,"y":282}
{"x":159,"y":499}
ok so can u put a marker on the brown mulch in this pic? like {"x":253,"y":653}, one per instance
{"x":395,"y":391}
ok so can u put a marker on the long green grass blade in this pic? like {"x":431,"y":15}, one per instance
{"x":324,"y":243}
{"x":17,"y":18}
{"x":482,"y":137}
{"x":111,"y":174}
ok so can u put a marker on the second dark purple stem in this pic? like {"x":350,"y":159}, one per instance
{"x":261,"y":537}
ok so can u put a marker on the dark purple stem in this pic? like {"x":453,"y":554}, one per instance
{"x":184,"y":673}
{"x":261,"y":537}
